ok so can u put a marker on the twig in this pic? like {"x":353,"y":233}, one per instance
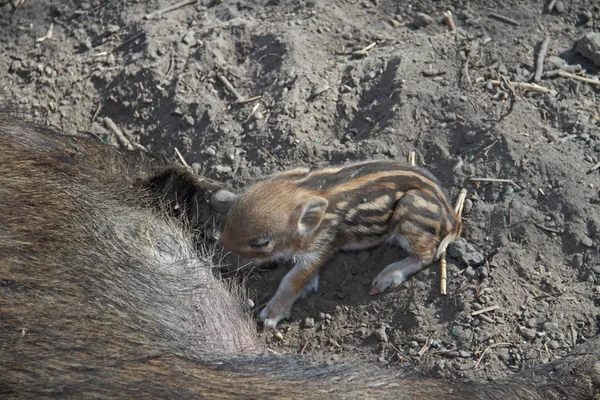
{"x":119,"y":133}
{"x":485,"y":309}
{"x":169,"y":9}
{"x":230,"y":88}
{"x":425,"y":347}
{"x":412,"y":158}
{"x":249,"y":99}
{"x":551,"y":5}
{"x":48,"y":34}
{"x":486,"y":350}
{"x":594,"y":167}
{"x":364,"y":51}
{"x":458,"y":208}
{"x":504,"y":19}
{"x":185,"y":164}
{"x":548,"y":229}
{"x":466,"y":78}
{"x":565,"y":74}
{"x":449,"y":20}
{"x":528,"y":86}
{"x":539,"y":63}
{"x":496,"y":180}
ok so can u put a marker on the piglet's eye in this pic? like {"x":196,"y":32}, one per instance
{"x":259,"y":243}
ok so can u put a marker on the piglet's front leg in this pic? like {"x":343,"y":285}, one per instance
{"x":302,"y":278}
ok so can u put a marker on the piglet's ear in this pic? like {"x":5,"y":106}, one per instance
{"x":309,"y":214}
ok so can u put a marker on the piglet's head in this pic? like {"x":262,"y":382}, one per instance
{"x":273,"y":220}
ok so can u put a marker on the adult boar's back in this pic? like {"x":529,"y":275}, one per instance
{"x":103,"y":294}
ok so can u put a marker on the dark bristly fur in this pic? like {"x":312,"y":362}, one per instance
{"x":103,"y":295}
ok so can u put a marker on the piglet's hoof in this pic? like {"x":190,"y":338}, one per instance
{"x":373,"y":290}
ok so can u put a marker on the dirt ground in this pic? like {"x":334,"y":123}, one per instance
{"x":522,"y":284}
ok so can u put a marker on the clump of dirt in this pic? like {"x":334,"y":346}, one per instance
{"x":319,"y":82}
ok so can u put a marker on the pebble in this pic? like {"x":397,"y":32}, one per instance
{"x":113,"y":28}
{"x":470,"y":272}
{"x":589,"y":47}
{"x":531,"y":323}
{"x":553,"y":345}
{"x":223,"y":169}
{"x":528,"y":334}
{"x":436,"y":343}
{"x":422,"y":19}
{"x":278,"y":335}
{"x":559,"y":7}
{"x":380,"y":335}
{"x":221,"y":201}
{"x":465,"y":253}
{"x":464,"y":354}
{"x":484,"y":272}
{"x":595,"y":268}
{"x":587,"y":242}
{"x":309,"y":322}
{"x":210,"y":151}
{"x":549,"y":326}
{"x":189,"y":38}
{"x":197,"y":167}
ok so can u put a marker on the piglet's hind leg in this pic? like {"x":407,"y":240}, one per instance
{"x":396,"y":274}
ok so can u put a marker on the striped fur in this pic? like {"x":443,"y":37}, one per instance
{"x":347,"y":207}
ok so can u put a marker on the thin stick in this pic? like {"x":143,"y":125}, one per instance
{"x":230,"y":88}
{"x":486,"y":350}
{"x":412,"y":158}
{"x":594,"y":167}
{"x":485,"y":309}
{"x":539,"y":63}
{"x":504,"y":19}
{"x":458,"y":208}
{"x":249,"y":99}
{"x":496,"y":180}
{"x":169,"y":9}
{"x":48,"y":34}
{"x":364,"y":51}
{"x":449,"y":20}
{"x":528,"y":86}
{"x":119,"y":133}
{"x":185,"y":164}
{"x":565,"y":74}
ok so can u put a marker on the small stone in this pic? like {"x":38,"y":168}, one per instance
{"x":595,"y":268}
{"x":465,"y":253}
{"x":477,"y":306}
{"x":189,"y":120}
{"x":589,"y":47}
{"x":528,"y":334}
{"x":483,"y":272}
{"x":249,"y":303}
{"x":221,"y":201}
{"x":113,"y":28}
{"x":210,"y":151}
{"x":422,"y":19}
{"x":559,"y":7}
{"x":380,"y":335}
{"x":553,"y":345}
{"x":531,"y":323}
{"x":554,"y":62}
{"x":587,"y":242}
{"x":189,"y":38}
{"x":550,"y":326}
{"x":278,"y":335}
{"x":470,"y":272}
{"x":464,"y":354}
{"x":223,"y":169}
{"x":196,"y":167}
{"x":309,"y":322}
{"x":436,"y":343}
